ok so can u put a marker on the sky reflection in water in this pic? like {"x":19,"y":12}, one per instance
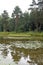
{"x":23,"y":53}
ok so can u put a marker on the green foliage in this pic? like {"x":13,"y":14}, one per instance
{"x":21,"y":22}
{"x":5,"y":20}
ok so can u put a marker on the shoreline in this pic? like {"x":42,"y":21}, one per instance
{"x":25,"y":36}
{"x":21,"y":38}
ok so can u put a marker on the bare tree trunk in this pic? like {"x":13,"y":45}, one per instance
{"x":16,"y":22}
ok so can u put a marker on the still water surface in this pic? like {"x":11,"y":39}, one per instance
{"x":21,"y":53}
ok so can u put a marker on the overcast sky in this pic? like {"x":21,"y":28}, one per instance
{"x":10,"y":4}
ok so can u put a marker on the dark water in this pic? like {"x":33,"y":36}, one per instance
{"x":21,"y":53}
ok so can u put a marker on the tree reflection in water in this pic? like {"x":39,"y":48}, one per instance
{"x":4,"y":53}
{"x":22,"y":55}
{"x":35,"y":55}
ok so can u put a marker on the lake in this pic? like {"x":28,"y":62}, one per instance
{"x":21,"y":53}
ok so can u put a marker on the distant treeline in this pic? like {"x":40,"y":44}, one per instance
{"x":21,"y":22}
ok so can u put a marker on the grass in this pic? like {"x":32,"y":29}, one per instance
{"x":33,"y":36}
